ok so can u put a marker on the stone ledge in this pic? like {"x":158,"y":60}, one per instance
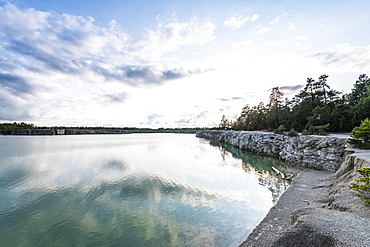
{"x":317,"y":152}
{"x":318,"y":209}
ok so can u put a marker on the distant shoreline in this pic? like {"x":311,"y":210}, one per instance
{"x":79,"y":132}
{"x":30,"y":129}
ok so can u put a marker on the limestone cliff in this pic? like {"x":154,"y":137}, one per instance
{"x":318,"y":152}
{"x":318,"y":209}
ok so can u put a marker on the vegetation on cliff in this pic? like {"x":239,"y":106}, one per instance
{"x":362,"y":185}
{"x":316,"y":107}
{"x":360,"y":135}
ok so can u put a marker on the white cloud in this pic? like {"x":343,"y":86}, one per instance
{"x":263,"y":29}
{"x":254,"y":18}
{"x":291,"y":27}
{"x":345,"y":57}
{"x":299,"y":44}
{"x":69,"y":63}
{"x":276,"y":43}
{"x":235,"y":21}
{"x":302,"y":38}
{"x":72,"y":70}
{"x":75,"y":44}
{"x":242,"y":44}
{"x":154,"y":119}
{"x":169,"y":37}
{"x":278,"y":18}
{"x":15,"y":21}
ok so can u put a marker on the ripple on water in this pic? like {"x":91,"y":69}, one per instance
{"x":136,"y":190}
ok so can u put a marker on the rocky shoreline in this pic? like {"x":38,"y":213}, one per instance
{"x":317,"y":152}
{"x":318,"y":209}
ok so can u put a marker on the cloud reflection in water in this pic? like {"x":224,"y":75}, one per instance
{"x":135,"y":190}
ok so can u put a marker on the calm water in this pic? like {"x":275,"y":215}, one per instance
{"x":131,"y":190}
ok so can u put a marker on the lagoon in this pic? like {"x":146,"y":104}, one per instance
{"x":132,"y":190}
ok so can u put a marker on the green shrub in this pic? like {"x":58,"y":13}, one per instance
{"x":280,"y":129}
{"x":292,"y":132}
{"x":316,"y":130}
{"x":360,"y":135}
{"x":363,"y":190}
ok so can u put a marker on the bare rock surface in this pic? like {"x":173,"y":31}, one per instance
{"x":318,"y":209}
{"x":308,"y":190}
{"x":317,"y":152}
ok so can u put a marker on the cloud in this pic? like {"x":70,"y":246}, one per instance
{"x":64,"y":59}
{"x":225,"y":109}
{"x":15,"y":21}
{"x":172,"y":36}
{"x":345,"y":57}
{"x":254,"y":18}
{"x":291,"y":88}
{"x":192,"y":118}
{"x":116,"y":98}
{"x":202,"y":114}
{"x":10,"y":108}
{"x":154,"y":118}
{"x":237,"y":21}
{"x":278,"y":18}
{"x":230,"y":99}
{"x":14,"y":84}
{"x":44,"y":61}
{"x":136,"y":75}
{"x":291,"y":26}
{"x":184,"y":121}
{"x":263,"y":29}
{"x":276,"y":43}
{"x":245,"y":43}
{"x":75,"y":45}
{"x":150,"y":74}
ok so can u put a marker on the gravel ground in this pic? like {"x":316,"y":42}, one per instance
{"x":310,"y":214}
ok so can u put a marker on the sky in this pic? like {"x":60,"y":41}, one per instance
{"x":170,"y":63}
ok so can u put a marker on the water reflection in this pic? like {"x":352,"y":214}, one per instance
{"x":261,"y":166}
{"x":133,"y":190}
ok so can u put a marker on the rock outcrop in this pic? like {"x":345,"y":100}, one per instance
{"x":318,"y":152}
{"x":318,"y":209}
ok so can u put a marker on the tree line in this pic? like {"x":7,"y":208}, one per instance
{"x":7,"y":128}
{"x":316,"y":107}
